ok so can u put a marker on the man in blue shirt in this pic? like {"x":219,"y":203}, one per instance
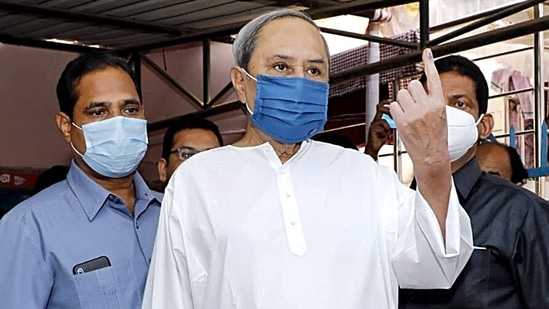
{"x":86,"y":242}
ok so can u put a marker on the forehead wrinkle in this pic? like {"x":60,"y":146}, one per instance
{"x":286,"y":57}
{"x":279,"y":56}
{"x":318,"y":60}
{"x":264,"y":37}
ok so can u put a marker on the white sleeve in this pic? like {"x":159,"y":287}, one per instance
{"x":173,"y":266}
{"x":421,"y":258}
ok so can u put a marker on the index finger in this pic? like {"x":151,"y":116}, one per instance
{"x":434,"y":87}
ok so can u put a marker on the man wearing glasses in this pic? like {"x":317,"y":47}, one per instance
{"x":183,"y":139}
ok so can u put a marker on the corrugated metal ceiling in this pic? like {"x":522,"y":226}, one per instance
{"x":132,"y":25}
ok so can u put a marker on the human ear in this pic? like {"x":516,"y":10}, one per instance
{"x":162,"y":167}
{"x":64,"y":125}
{"x":237,"y":78}
{"x":486,"y":126}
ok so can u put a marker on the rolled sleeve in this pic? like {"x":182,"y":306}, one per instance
{"x":426,"y":259}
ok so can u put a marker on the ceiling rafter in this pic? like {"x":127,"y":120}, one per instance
{"x":73,"y":15}
{"x":494,"y":36}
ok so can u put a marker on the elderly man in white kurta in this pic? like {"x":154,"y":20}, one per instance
{"x":279,"y":221}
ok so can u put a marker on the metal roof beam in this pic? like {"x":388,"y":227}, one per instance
{"x":171,"y":81}
{"x":12,"y":40}
{"x":351,"y":8}
{"x":197,"y":36}
{"x":217,"y":110}
{"x":491,"y":37}
{"x":354,"y":7}
{"x":72,"y":15}
{"x":370,"y":38}
{"x":508,"y":11}
{"x":228,"y":87}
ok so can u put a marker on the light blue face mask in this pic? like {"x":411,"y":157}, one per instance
{"x":115,"y":146}
{"x":289,"y":109}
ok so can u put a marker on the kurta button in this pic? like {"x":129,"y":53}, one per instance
{"x":292,"y":222}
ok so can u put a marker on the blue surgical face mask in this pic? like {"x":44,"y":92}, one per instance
{"x":289,"y":109}
{"x":115,"y":146}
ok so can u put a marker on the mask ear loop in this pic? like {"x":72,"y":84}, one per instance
{"x":72,"y":145}
{"x":248,"y":109}
{"x":254,"y":79}
{"x":249,"y":75}
{"x":74,"y":124}
{"x":479,"y":119}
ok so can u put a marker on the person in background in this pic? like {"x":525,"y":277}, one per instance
{"x":184,"y":138}
{"x":378,"y":131}
{"x":277,"y":220}
{"x":510,"y":225}
{"x":502,"y":160}
{"x":49,"y":177}
{"x":86,"y":242}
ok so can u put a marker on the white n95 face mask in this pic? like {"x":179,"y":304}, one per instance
{"x":462,"y":131}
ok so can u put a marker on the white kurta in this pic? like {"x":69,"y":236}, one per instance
{"x":330,"y":229}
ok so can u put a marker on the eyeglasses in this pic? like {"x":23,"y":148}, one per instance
{"x":184,"y":153}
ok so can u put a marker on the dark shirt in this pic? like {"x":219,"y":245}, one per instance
{"x":509,"y":267}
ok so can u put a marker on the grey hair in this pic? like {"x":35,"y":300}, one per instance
{"x":246,"y":40}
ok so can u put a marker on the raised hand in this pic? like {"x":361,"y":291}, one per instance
{"x":378,"y":131}
{"x":420,"y":116}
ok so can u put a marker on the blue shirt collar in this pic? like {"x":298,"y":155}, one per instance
{"x":92,"y":196}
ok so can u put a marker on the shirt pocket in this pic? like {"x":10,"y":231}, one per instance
{"x":113,"y":287}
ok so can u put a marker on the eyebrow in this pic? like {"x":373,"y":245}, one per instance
{"x":183,"y":147}
{"x":286,"y":57}
{"x":190,"y":148}
{"x":97,"y":104}
{"x":131,"y":101}
{"x":459,"y":96}
{"x":106,"y":103}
